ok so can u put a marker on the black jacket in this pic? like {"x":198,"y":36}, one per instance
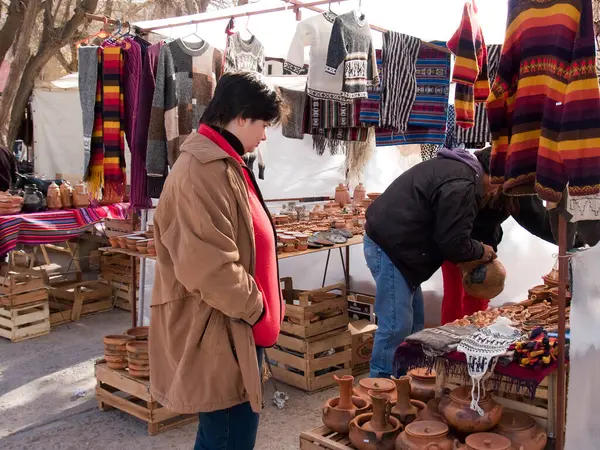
{"x":425,"y":217}
{"x":531,"y":215}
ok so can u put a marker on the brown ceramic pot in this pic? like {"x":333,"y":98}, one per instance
{"x":456,"y":409}
{"x":137,"y":347}
{"x":139,"y":333}
{"x":119,"y":341}
{"x":431,"y":411}
{"x":422,"y":384}
{"x":339,"y":411}
{"x":485,"y":441}
{"x":404,"y":410}
{"x":425,"y":435}
{"x":377,"y":430}
{"x":522,"y":430}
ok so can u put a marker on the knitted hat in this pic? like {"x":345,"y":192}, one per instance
{"x":484,"y":156}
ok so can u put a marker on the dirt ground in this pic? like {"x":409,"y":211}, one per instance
{"x":47,"y":398}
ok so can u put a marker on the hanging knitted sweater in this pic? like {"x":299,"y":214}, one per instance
{"x":186,"y":78}
{"x":470,"y":68}
{"x":315,"y":32}
{"x":248,"y":55}
{"x":544,"y":109}
{"x":352,"y":45}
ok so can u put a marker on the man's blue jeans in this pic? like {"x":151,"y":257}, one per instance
{"x":399,"y":309}
{"x":234,"y":428}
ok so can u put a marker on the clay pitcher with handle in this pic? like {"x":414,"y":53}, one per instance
{"x":404,"y":410}
{"x":377,"y":430}
{"x":339,"y":411}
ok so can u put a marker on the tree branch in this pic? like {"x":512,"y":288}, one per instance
{"x":10,"y":30}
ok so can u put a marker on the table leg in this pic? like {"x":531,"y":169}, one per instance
{"x":348,"y":268}
{"x":326,"y":267}
{"x":133,"y":292}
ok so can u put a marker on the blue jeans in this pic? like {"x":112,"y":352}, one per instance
{"x":233,"y":428}
{"x":399,"y":309}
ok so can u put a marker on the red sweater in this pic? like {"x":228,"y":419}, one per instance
{"x":266,"y":330}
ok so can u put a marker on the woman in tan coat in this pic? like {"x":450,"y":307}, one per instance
{"x":216,"y":301}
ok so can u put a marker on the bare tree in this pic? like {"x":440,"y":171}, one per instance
{"x":14,"y":18}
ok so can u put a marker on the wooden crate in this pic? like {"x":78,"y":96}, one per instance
{"x":324,"y":438}
{"x":20,"y":287}
{"x":542,"y":407}
{"x":314,"y":312}
{"x":304,"y":363}
{"x":25,"y":322}
{"x":76,"y":299}
{"x":117,"y":389}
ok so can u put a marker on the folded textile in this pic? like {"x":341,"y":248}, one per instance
{"x":293,"y":127}
{"x":88,"y":83}
{"x":441,"y":340}
{"x":540,"y":349}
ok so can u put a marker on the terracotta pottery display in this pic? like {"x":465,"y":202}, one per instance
{"x":289,"y":244}
{"x":540,"y":292}
{"x":422,"y":384}
{"x":403,"y":410}
{"x":373,"y":195}
{"x":122,"y":241}
{"x":139,"y":333}
{"x":115,"y":351}
{"x":114,"y":242}
{"x":425,"y":435}
{"x":66,"y":195}
{"x":456,"y":409}
{"x":377,"y":430}
{"x":432,"y":411}
{"x":302,"y":240}
{"x":342,"y":195}
{"x":138,"y":360}
{"x":485,"y":280}
{"x":359,"y":195}
{"x":53,"y":197}
{"x":522,"y":430}
{"x":142,"y":246}
{"x":485,"y":441}
{"x":339,"y":411}
{"x":81,"y":197}
{"x":118,"y":340}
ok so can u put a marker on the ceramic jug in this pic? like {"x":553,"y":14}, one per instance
{"x":33,"y":200}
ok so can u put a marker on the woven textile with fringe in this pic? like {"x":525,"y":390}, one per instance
{"x":357,"y":157}
{"x":113,"y":115}
{"x":94,"y":175}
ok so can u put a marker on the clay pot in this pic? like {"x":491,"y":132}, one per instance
{"x":522,"y":430}
{"x":118,"y":340}
{"x":373,"y":195}
{"x":485,"y":280}
{"x":53,"y":197}
{"x":425,"y":435}
{"x":403,"y":410}
{"x":377,"y":430}
{"x":142,"y":246}
{"x":114,"y":242}
{"x":456,"y":409}
{"x":139,"y":333}
{"x":137,"y":347}
{"x":122,"y":241}
{"x":359,"y":195}
{"x":81,"y":196}
{"x":66,"y":195}
{"x":342,"y":195}
{"x":377,"y":385}
{"x":431,"y":411}
{"x":339,"y":411}
{"x":422,"y":384}
{"x":302,"y":242}
{"x":289,"y":244}
{"x":138,"y":372}
{"x":151,"y":247}
{"x":485,"y":441}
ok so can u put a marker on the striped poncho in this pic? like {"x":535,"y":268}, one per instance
{"x":544,"y":108}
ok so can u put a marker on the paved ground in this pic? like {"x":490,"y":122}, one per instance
{"x":47,"y":398}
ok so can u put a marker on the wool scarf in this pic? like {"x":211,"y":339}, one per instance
{"x":113,"y":115}
{"x":399,"y":84}
{"x":94,"y":175}
{"x":88,"y":83}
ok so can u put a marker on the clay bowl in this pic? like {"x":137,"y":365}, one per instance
{"x":116,"y":359}
{"x":122,"y":241}
{"x":137,"y":361}
{"x":137,"y":347}
{"x":118,"y":340}
{"x":339,"y":419}
{"x":139,"y":333}
{"x":115,"y":353}
{"x":114,"y":242}
{"x":139,"y":373}
{"x":116,"y":366}
{"x":373,"y":195}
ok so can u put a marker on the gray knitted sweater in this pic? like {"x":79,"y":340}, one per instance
{"x":186,"y":78}
{"x":351,"y":43}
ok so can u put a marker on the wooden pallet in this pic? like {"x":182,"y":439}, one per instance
{"x":117,"y":389}
{"x":303,"y":363}
{"x":542,"y":407}
{"x":69,"y":301}
{"x":25,"y":322}
{"x":323,"y":438}
{"x":314,"y":312}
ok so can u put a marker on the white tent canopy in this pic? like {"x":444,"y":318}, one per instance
{"x":426,"y":19}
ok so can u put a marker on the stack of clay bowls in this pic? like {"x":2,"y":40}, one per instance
{"x":115,"y":350}
{"x":137,"y":359}
{"x":139,"y":333}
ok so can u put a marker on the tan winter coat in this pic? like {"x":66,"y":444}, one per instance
{"x":202,"y":351}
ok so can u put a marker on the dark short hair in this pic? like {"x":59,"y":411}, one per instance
{"x":246,"y":95}
{"x":484,"y":156}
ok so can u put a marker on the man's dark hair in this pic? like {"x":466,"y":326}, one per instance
{"x":484,"y":156}
{"x":246,"y":95}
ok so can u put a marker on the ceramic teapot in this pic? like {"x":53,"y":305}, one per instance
{"x":522,"y":430}
{"x":457,"y":412}
{"x":425,"y":435}
{"x":339,"y":411}
{"x":33,"y":200}
{"x":377,"y":430}
{"x":422,"y":384}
